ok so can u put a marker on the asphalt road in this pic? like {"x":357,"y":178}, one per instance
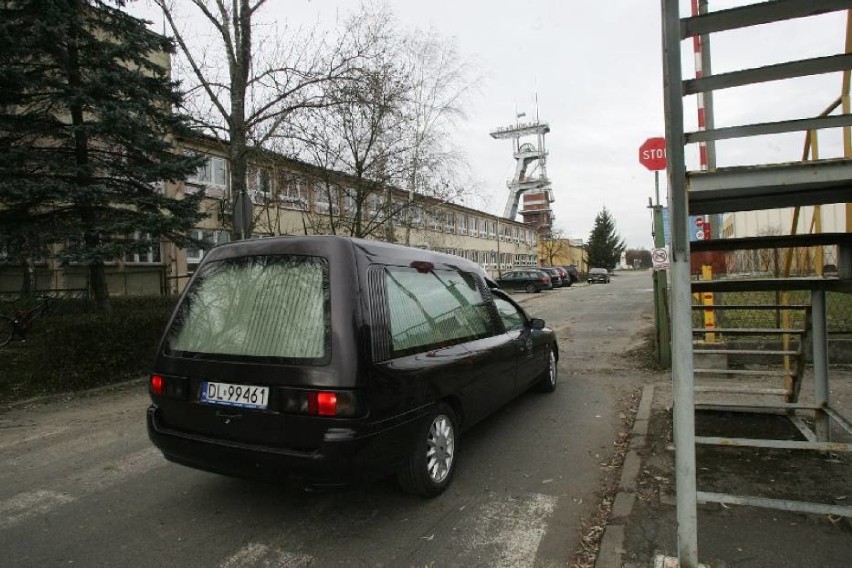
{"x":82,"y":486}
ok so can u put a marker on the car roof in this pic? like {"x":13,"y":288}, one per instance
{"x":366,"y":250}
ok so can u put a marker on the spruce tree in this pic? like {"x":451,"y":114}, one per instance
{"x":605,"y":245}
{"x":87,"y":120}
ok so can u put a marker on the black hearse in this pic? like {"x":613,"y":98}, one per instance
{"x":328,"y":358}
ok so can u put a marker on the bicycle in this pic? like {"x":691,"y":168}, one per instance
{"x":22,"y":320}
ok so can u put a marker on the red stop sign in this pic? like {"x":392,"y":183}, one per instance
{"x":652,"y":154}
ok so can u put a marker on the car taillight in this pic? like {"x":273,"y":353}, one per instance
{"x":158,"y":385}
{"x":545,"y":279}
{"x":321,"y":403}
{"x":171,"y":387}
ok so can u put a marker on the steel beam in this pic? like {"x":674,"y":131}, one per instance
{"x":683,"y":396}
{"x":804,"y":429}
{"x":734,"y":406}
{"x":801,"y":68}
{"x":753,"y":187}
{"x":796,"y":125}
{"x":756,"y":14}
{"x":839,"y":419}
{"x":772,"y":444}
{"x":779,"y":504}
{"x":820,"y":356}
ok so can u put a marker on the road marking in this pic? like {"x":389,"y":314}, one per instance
{"x":104,"y":476}
{"x":26,"y":505}
{"x":256,"y":554}
{"x":79,"y":446}
{"x":513,"y":529}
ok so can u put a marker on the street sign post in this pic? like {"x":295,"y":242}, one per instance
{"x":652,"y":154}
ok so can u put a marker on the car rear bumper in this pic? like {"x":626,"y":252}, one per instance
{"x":343,"y":456}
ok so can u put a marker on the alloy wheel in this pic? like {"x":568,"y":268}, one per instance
{"x":440,"y":448}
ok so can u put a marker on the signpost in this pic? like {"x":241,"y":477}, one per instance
{"x":652,"y":155}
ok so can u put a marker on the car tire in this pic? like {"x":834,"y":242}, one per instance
{"x":548,"y":380}
{"x":432,"y":463}
{"x":531,"y":288}
{"x":569,"y":283}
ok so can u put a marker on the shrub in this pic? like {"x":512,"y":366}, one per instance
{"x":72,"y":351}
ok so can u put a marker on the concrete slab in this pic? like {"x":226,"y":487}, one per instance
{"x":623,"y":504}
{"x":612,"y":548}
{"x":629,"y":471}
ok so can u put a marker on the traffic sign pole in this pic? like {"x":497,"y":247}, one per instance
{"x":661,"y":304}
{"x":652,"y":155}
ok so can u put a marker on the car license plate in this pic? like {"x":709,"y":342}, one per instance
{"x":245,"y":396}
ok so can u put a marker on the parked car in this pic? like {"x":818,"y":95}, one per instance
{"x":324,"y":359}
{"x":555,"y":276}
{"x":566,"y":278}
{"x":573,"y":273}
{"x":530,"y":280}
{"x":598,"y":275}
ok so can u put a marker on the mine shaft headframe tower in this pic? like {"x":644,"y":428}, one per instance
{"x":530,"y":174}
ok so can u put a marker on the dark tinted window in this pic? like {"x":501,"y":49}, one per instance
{"x":512,"y":318}
{"x":268,"y":307}
{"x":433,"y":309}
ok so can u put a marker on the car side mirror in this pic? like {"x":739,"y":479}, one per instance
{"x":537,"y":323}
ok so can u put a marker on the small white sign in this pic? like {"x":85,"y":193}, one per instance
{"x":660,"y":258}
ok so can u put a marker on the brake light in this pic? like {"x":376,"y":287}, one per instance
{"x":158,"y":385}
{"x":322,"y":403}
{"x":170,"y":387}
{"x":422,"y":266}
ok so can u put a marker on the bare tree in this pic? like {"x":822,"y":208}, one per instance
{"x":440,"y":81}
{"x":268,"y":77}
{"x":554,"y":246}
{"x":386,"y":129}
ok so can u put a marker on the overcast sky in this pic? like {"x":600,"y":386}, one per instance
{"x":596,"y":67}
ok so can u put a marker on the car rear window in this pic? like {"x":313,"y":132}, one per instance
{"x":257,"y":307}
{"x":433,"y":309}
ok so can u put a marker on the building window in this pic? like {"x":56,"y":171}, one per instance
{"x":322,"y":196}
{"x":450,"y":222}
{"x":212,"y":173}
{"x":462,"y":225}
{"x":148,"y":255}
{"x":208,"y":238}
{"x":492,"y":229}
{"x":417,"y":216}
{"x":293,"y":192}
{"x":376,"y":201}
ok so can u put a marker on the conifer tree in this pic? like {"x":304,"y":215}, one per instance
{"x":605,"y":245}
{"x":87,"y":120}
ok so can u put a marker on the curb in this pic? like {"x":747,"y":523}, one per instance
{"x":612,"y":543}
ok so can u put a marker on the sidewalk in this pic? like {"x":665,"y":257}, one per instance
{"x":643,"y":527}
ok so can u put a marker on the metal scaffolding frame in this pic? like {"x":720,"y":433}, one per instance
{"x":740,"y":189}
